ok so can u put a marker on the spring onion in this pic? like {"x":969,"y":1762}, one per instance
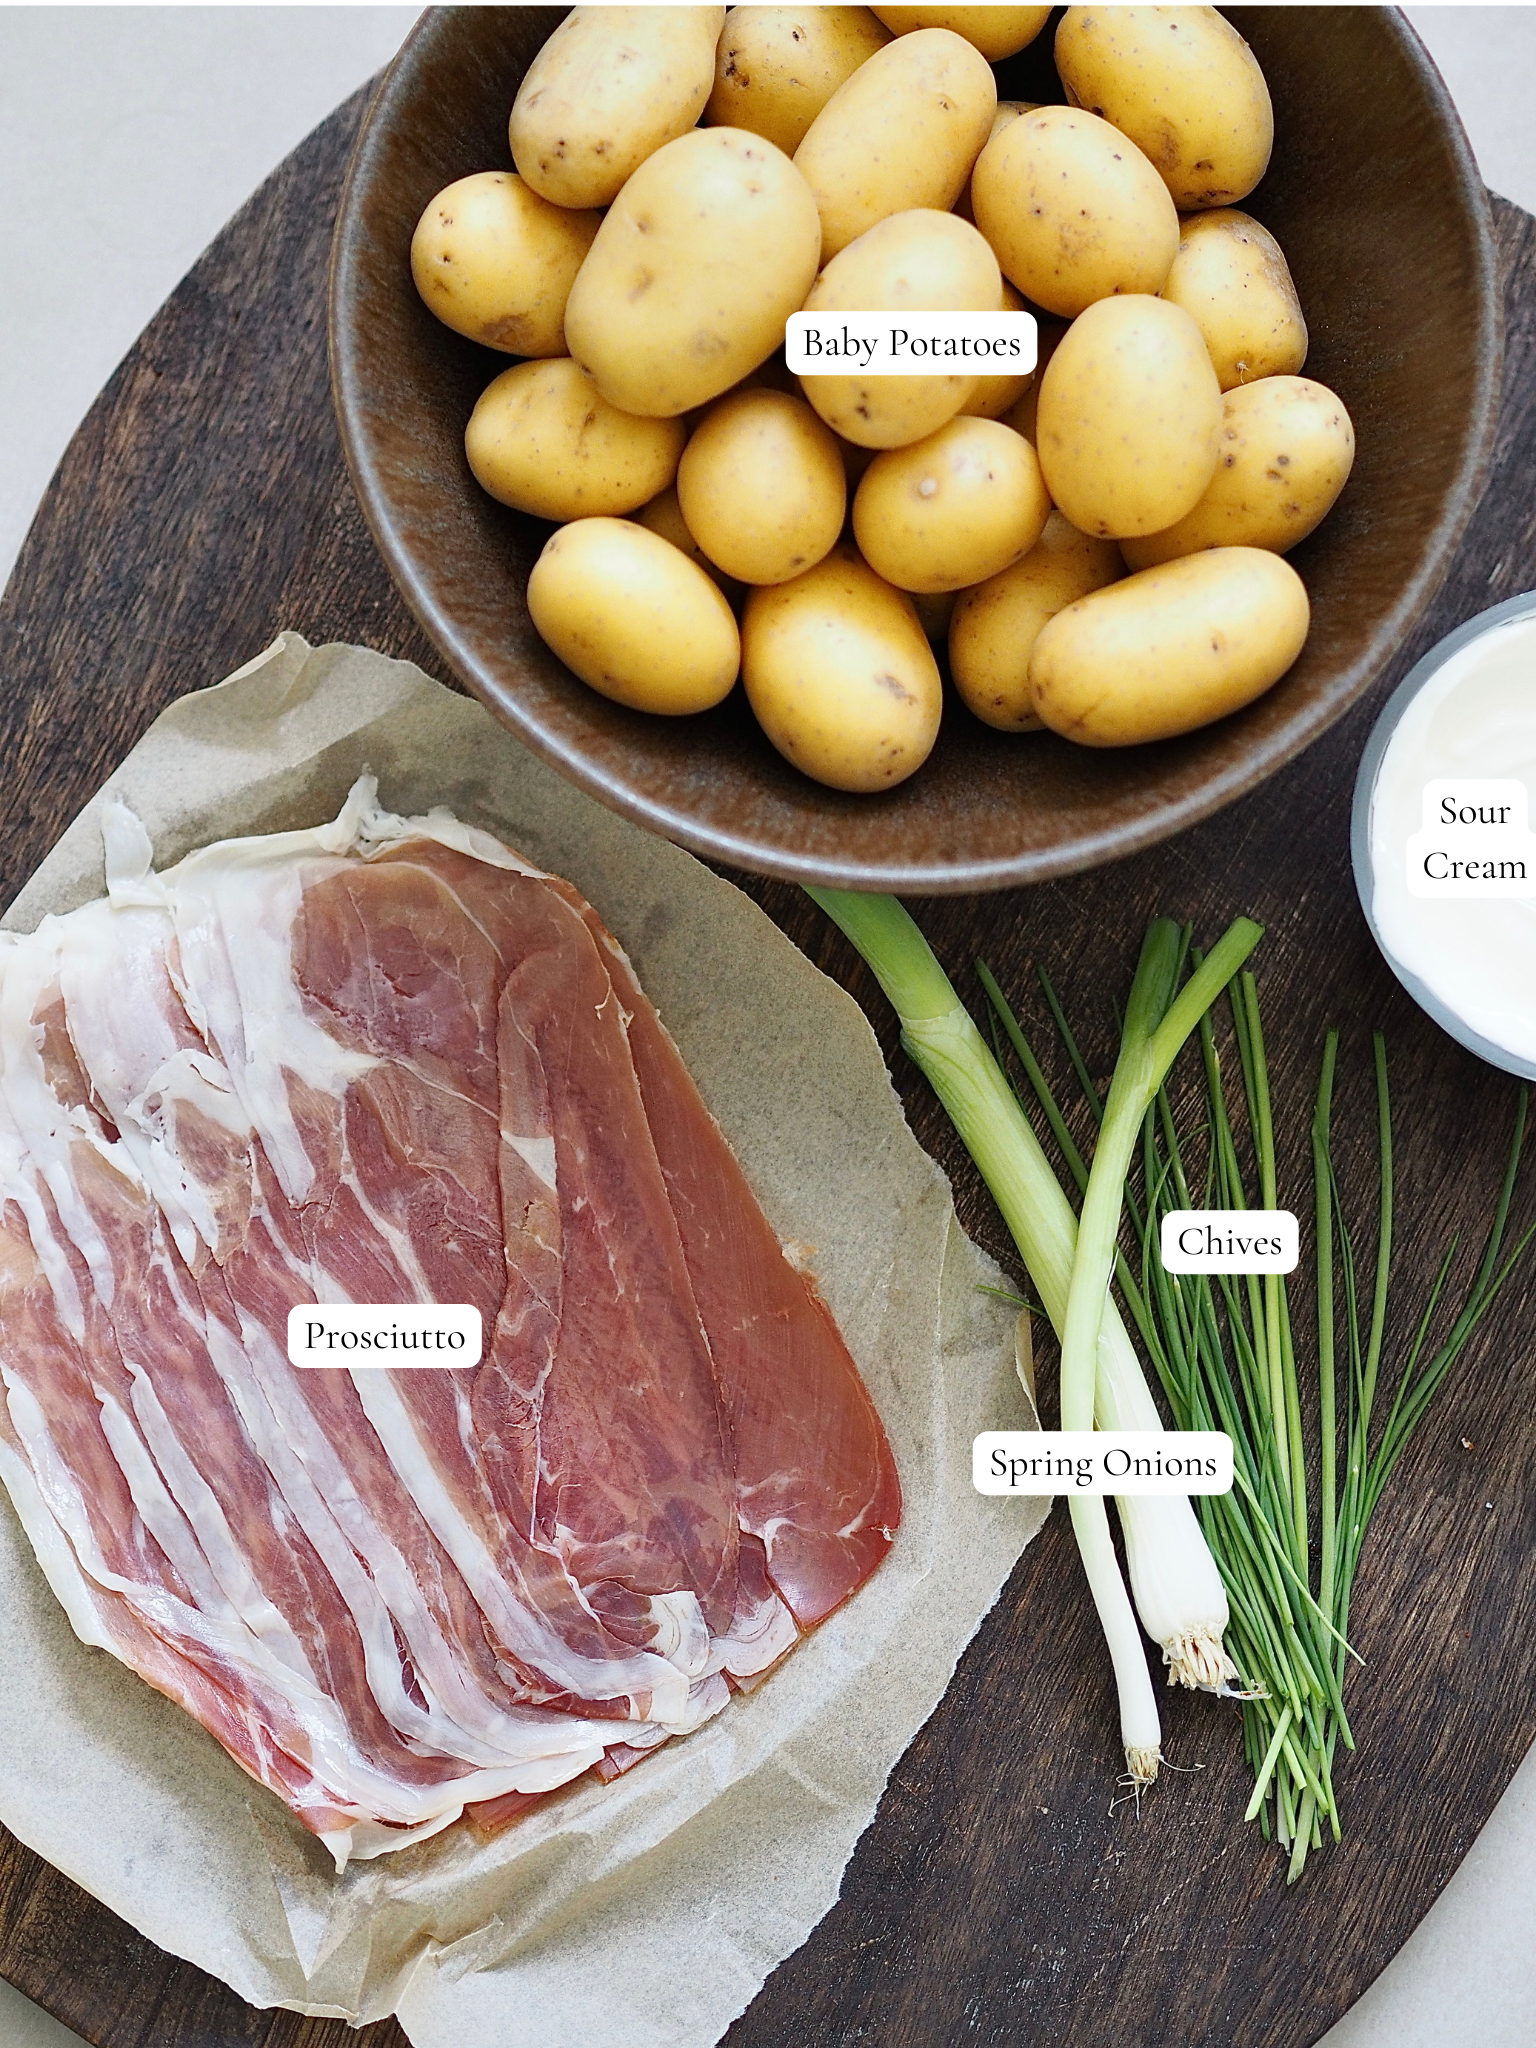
{"x":1175,"y":1584}
{"x":1179,"y":1591}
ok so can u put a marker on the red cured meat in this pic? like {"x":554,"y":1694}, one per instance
{"x":388,"y":1062}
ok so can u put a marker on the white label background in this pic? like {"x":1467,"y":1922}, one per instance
{"x":880,"y":357}
{"x":1271,"y":1225}
{"x":358,"y":1319}
{"x":1079,"y":1461}
{"x":1436,"y":845}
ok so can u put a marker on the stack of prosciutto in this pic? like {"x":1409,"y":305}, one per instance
{"x":388,"y":1062}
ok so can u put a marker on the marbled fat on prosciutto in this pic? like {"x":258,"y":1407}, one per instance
{"x":387,"y":1061}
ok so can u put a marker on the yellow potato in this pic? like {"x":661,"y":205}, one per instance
{"x":994,"y":626}
{"x":776,"y":67}
{"x":997,"y":32}
{"x":1021,"y":414}
{"x":1128,"y":418}
{"x":495,"y":261}
{"x":953,"y":509}
{"x":903,"y":132}
{"x":1170,"y":648}
{"x":761,"y":486}
{"x":699,"y":262}
{"x":1008,"y":111}
{"x":634,"y":617}
{"x":664,"y":515}
{"x":1183,"y":85}
{"x":1073,"y":210}
{"x":994,"y":396}
{"x":544,"y":440}
{"x":1231,"y":277}
{"x":1287,"y":447}
{"x":841,"y":676}
{"x":610,"y":86}
{"x":917,"y":261}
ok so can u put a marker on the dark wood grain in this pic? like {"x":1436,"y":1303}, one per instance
{"x":201,"y":508}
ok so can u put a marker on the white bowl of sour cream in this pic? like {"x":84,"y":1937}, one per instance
{"x":1444,"y":855}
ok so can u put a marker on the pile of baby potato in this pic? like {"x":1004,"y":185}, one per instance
{"x":1101,"y":542}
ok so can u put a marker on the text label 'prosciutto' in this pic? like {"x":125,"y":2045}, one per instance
{"x":367,"y":1333}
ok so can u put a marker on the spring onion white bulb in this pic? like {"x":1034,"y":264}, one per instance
{"x":1174,"y":1581}
{"x":1177,"y":1588}
{"x":1141,"y":1731}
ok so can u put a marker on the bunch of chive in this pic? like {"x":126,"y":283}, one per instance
{"x":1224,"y":1351}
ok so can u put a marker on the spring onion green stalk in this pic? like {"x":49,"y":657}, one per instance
{"x":1152,"y":1037}
{"x":1185,"y":1606}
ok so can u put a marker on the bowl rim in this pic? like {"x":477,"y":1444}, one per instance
{"x":1388,"y":720}
{"x":1085,"y":848}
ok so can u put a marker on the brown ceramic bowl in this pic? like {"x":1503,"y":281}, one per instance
{"x":1375,"y":198}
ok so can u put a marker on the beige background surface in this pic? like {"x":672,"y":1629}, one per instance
{"x":127,"y":137}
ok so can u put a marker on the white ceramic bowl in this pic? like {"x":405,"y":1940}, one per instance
{"x":1366,"y":782}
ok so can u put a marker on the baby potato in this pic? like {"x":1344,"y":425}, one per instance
{"x":634,"y":617}
{"x":664,"y":515}
{"x":922,"y":260}
{"x":761,"y":486}
{"x":1287,"y":447}
{"x":997,"y":32}
{"x":1128,"y":418}
{"x":841,"y":676}
{"x":994,"y":626}
{"x":903,"y":132}
{"x":1073,"y":211}
{"x":1231,"y":277}
{"x":953,"y":509}
{"x":1008,"y":111}
{"x":1021,"y":414}
{"x":610,"y":86}
{"x":994,"y":396}
{"x":1170,"y":648}
{"x":495,"y":261}
{"x":699,"y":262}
{"x":776,"y":67}
{"x":1183,"y":85}
{"x":543,"y":439}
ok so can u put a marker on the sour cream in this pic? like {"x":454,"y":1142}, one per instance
{"x":1445,"y":786}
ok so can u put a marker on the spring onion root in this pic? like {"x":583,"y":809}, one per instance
{"x":1178,"y":1587}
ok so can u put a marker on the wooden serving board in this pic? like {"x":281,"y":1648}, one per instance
{"x":202,"y":507}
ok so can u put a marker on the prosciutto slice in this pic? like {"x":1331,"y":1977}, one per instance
{"x":389,"y":1062}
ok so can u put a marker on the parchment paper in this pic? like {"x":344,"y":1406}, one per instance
{"x":650,"y":1911}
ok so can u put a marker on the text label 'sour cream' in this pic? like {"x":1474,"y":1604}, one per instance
{"x":1475,"y":841}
